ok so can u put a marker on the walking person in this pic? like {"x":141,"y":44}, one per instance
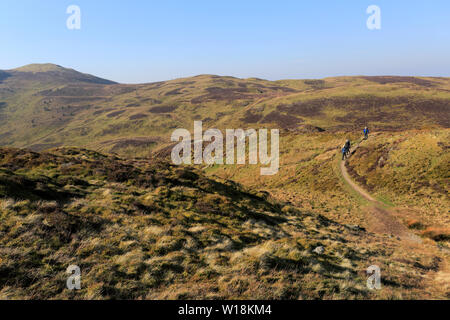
{"x":344,"y":152}
{"x":347,"y":145}
{"x":366,"y":133}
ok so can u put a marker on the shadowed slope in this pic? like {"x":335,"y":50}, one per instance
{"x":140,"y":229}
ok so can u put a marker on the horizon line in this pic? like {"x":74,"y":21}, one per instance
{"x":223,"y":76}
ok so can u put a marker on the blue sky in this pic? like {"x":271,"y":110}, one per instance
{"x":142,"y":41}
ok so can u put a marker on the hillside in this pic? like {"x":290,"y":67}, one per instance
{"x":86,"y":179}
{"x":49,"y":106}
{"x":32,"y":76}
{"x":141,"y":229}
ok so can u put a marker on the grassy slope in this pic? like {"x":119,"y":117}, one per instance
{"x":151,"y":230}
{"x":411,"y":170}
{"x":135,"y":119}
{"x":50,"y":110}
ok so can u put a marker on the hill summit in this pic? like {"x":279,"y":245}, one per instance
{"x":42,"y":74}
{"x":41,"y":67}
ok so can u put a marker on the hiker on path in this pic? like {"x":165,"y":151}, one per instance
{"x":346,"y":149}
{"x":344,"y":152}
{"x":347,"y":145}
{"x":366,"y":133}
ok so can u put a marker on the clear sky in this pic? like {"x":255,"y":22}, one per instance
{"x":142,"y":41}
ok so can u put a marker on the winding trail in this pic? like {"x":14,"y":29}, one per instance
{"x":379,"y":219}
{"x":354,"y":186}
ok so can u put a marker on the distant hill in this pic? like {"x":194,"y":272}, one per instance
{"x":48,"y":74}
{"x":45,"y":105}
